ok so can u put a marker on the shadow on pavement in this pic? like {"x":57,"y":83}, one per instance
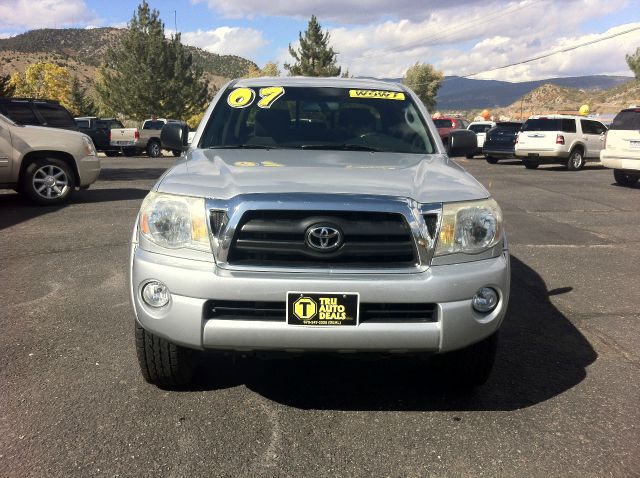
{"x":541,"y":355}
{"x":16,"y":209}
{"x":129,"y":174}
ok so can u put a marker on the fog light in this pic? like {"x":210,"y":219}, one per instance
{"x":155,"y":294}
{"x":485,"y":300}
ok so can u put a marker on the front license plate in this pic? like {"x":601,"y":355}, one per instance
{"x":634,"y":144}
{"x":322,"y":309}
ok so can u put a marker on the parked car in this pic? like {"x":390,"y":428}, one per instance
{"x":99,"y":130}
{"x":622,"y":147}
{"x":27,"y":111}
{"x":45,"y":164}
{"x":318,"y":214}
{"x":480,"y":128}
{"x":500,"y":141}
{"x":134,"y":141}
{"x":563,"y":139}
{"x":446,"y":124}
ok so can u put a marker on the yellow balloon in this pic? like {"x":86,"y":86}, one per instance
{"x":584,"y":110}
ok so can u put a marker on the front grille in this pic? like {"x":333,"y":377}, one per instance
{"x":277,"y":238}
{"x":276,"y":311}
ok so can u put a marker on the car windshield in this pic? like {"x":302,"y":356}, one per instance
{"x":480,"y":128}
{"x":152,"y":124}
{"x":443,"y":123}
{"x":317,"y":118}
{"x":509,"y":126}
{"x":628,"y":120}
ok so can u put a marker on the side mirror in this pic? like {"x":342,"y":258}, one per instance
{"x":173,"y":136}
{"x":462,"y":142}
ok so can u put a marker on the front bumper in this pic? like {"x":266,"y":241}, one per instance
{"x":193,"y":282}
{"x":88,"y":170}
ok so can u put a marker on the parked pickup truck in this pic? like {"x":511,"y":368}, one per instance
{"x":318,"y":215}
{"x":99,"y":130}
{"x":134,"y":141}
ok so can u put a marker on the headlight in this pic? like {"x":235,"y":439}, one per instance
{"x":174,"y":221}
{"x":89,"y":148}
{"x":469,"y":227}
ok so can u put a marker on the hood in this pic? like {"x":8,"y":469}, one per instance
{"x":223,"y":174}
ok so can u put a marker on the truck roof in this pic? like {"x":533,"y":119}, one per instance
{"x":365,"y":83}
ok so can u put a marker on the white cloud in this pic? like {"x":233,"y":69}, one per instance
{"x":227,"y":40}
{"x":27,"y":14}
{"x":6,"y":35}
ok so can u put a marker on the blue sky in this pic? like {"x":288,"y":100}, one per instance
{"x":380,"y":38}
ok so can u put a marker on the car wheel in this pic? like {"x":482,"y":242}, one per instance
{"x":576,"y":160}
{"x":164,"y":363}
{"x":531,"y":163}
{"x":153,"y":149}
{"x":112,"y":154}
{"x":469,"y":367}
{"x":625,"y":179}
{"x":491,"y":160}
{"x":48,"y":181}
{"x":128,"y":152}
{"x":176,"y":153}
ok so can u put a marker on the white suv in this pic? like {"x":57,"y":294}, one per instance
{"x":563,"y":139}
{"x":622,"y":147}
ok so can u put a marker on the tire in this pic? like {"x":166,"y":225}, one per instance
{"x":531,"y":163}
{"x":576,"y":160}
{"x":471,"y":366}
{"x":128,"y":152}
{"x":625,"y":179}
{"x":154,"y":150}
{"x":176,"y":153}
{"x":112,"y":154}
{"x":164,"y":363}
{"x":491,"y":160}
{"x":48,"y":182}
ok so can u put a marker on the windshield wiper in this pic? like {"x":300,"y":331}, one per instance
{"x":244,"y":146}
{"x":340,"y":147}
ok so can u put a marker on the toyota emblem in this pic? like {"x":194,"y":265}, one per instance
{"x":324,"y":238}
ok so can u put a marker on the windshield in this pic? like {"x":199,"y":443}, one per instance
{"x":480,"y":128}
{"x":443,"y":123}
{"x":509,"y":126}
{"x":317,"y":118}
{"x":628,"y":120}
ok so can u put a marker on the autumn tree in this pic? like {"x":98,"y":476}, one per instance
{"x":634,"y":63}
{"x":149,"y":74}
{"x":425,"y":81}
{"x":45,"y":81}
{"x":6,"y":87}
{"x":270,"y":69}
{"x":80,"y":103}
{"x":315,"y":56}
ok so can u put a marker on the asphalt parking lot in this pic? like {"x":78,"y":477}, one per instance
{"x":564,"y":398}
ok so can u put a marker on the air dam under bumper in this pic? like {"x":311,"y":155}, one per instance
{"x":192,"y":283}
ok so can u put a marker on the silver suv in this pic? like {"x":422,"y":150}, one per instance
{"x":564,"y":139}
{"x":318,"y":215}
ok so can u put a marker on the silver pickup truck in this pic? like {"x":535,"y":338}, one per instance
{"x":134,"y":141}
{"x":318,"y":215}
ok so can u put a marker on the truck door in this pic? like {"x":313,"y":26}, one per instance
{"x":6,"y":153}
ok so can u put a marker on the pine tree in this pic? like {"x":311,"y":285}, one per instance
{"x":6,"y":87}
{"x":425,"y":81}
{"x":634,"y":63}
{"x":150,"y":75}
{"x":315,"y":57}
{"x":80,"y":104}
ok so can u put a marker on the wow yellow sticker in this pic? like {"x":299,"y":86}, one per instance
{"x":378,"y":94}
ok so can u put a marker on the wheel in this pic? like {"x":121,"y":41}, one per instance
{"x":112,"y":154}
{"x":48,"y":181}
{"x":531,"y":163}
{"x":153,"y":149}
{"x":164,"y":363}
{"x":625,"y":179}
{"x":128,"y":152}
{"x":491,"y":160}
{"x":471,"y":366}
{"x":469,"y":156}
{"x":176,"y":153}
{"x":576,"y":160}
